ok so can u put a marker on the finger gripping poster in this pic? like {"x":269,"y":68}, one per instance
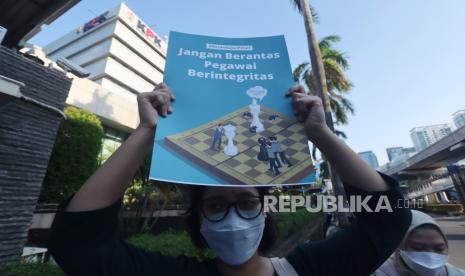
{"x":231,"y":122}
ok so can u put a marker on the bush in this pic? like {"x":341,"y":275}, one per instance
{"x":443,"y":208}
{"x":31,"y":269}
{"x":74,"y":157}
{"x":292,"y":222}
{"x":171,"y":244}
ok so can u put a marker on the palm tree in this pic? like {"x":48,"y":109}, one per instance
{"x":320,"y":84}
{"x":334,"y":63}
{"x":304,"y":8}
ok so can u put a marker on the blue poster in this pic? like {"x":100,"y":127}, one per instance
{"x":231,"y":122}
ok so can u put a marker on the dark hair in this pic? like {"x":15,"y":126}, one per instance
{"x":193,"y":220}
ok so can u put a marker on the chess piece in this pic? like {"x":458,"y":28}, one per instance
{"x":255,"y":110}
{"x":230,"y":132}
{"x":262,"y":154}
{"x":256,"y":93}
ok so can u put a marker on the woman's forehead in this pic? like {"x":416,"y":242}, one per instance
{"x":229,"y":192}
{"x":425,"y":234}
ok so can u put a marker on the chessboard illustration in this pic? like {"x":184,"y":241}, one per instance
{"x":253,"y":145}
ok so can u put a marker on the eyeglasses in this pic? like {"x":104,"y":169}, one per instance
{"x":216,"y":209}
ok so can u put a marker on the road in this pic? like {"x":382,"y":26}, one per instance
{"x":454,"y":228}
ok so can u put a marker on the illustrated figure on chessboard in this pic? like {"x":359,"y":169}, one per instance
{"x":219,"y":131}
{"x":262,"y":154}
{"x":277,"y":149}
{"x":272,"y":159}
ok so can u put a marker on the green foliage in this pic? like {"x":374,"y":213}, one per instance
{"x":32,"y":269}
{"x":170,"y":244}
{"x":335,"y":64}
{"x":292,"y":222}
{"x":443,"y":208}
{"x":74,"y":157}
{"x":315,"y":16}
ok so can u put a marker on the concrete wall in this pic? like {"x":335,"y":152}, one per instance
{"x":112,"y":108}
{"x":27,"y":135}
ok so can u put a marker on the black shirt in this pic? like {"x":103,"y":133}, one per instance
{"x":86,"y":243}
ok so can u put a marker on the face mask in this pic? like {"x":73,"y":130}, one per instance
{"x":234,"y":239}
{"x":425,"y":263}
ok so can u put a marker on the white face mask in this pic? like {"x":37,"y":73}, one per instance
{"x":425,"y":263}
{"x":234,"y":239}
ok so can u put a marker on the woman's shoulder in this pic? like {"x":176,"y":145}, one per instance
{"x":387,"y":269}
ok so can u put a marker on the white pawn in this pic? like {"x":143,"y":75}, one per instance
{"x":230,"y":132}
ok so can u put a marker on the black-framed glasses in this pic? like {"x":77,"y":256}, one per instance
{"x":216,"y":209}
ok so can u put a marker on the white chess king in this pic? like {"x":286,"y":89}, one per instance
{"x":256,"y":93}
{"x":255,"y":111}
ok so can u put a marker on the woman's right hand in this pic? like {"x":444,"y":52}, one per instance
{"x":309,"y":110}
{"x":155,"y":103}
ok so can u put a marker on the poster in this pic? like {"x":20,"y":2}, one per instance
{"x":231,"y":122}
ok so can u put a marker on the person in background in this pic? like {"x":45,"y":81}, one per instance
{"x":424,"y":251}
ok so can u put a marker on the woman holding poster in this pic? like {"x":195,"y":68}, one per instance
{"x":229,"y":220}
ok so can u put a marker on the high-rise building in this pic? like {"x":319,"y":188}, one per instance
{"x":370,"y":158}
{"x":459,"y":118}
{"x":122,"y":53}
{"x":423,"y":137}
{"x":399,"y":153}
{"x":124,"y":56}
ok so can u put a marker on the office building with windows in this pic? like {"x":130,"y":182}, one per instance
{"x":124,"y":57}
{"x":423,"y":137}
{"x":370,"y":158}
{"x":459,"y":118}
{"x":397,"y":154}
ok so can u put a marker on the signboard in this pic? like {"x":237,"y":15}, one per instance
{"x":93,"y":23}
{"x":231,"y":124}
{"x":143,"y":28}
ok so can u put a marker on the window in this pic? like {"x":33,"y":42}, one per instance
{"x":113,"y":138}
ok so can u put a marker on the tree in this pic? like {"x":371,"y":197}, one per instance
{"x":147,"y":197}
{"x":74,"y":157}
{"x":320,"y":84}
{"x":335,"y":63}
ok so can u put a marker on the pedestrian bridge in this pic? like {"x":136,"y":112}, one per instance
{"x":424,"y":173}
{"x":446,"y":151}
{"x":430,"y":187}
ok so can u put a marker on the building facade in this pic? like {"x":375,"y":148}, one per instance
{"x":370,"y":158}
{"x":124,"y":56}
{"x":423,"y":137}
{"x":459,"y":118}
{"x":396,"y":154}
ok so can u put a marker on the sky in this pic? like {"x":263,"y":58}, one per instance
{"x":406,"y":57}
